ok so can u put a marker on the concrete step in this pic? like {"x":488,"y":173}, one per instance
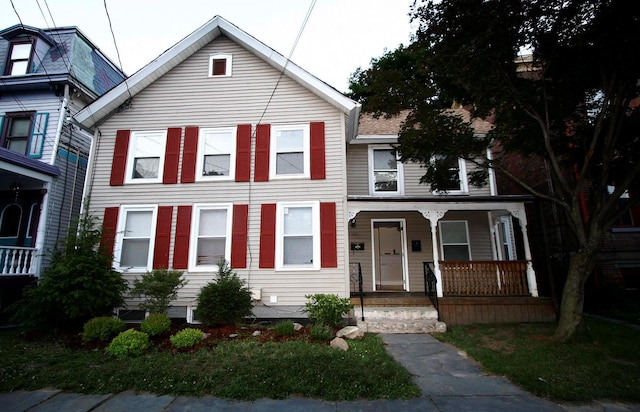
{"x":396,"y":312}
{"x":401,"y":326}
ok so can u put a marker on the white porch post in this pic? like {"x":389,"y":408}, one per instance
{"x":520,"y":214}
{"x":434,"y":216}
{"x":41,"y":230}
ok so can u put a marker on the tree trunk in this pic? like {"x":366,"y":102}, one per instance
{"x":572,"y":303}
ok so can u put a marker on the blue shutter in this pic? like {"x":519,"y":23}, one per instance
{"x":38,"y":134}
{"x":1,"y":122}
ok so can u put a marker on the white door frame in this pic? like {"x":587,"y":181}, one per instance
{"x":403,"y":239}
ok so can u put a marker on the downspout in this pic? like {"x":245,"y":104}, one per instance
{"x":88,"y":180}
{"x":63,"y":114}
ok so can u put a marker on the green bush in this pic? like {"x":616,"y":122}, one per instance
{"x":102,"y":329}
{"x":155,"y":324}
{"x":186,"y":338}
{"x":285,"y":328}
{"x":321,"y":332}
{"x":226,"y":300}
{"x":159,"y":287}
{"x":78,"y":285}
{"x":327,"y":309}
{"x":128,"y":343}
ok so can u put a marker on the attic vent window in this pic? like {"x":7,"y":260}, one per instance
{"x":220,"y":65}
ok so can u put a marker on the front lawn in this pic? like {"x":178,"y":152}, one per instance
{"x":241,"y":369}
{"x":603,"y":364}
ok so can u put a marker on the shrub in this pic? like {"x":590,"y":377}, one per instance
{"x":285,"y":328}
{"x":155,"y":324}
{"x":159,"y":287}
{"x":186,"y":338}
{"x":327,"y":309}
{"x":102,"y":329}
{"x":128,"y":343}
{"x":226,"y":300}
{"x":321,"y":332}
{"x":78,"y":285}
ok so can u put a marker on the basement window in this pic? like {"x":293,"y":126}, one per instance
{"x":220,"y":65}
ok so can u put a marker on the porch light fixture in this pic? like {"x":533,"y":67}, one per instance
{"x":352,"y":223}
{"x":15,"y":188}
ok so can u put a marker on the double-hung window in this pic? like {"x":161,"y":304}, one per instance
{"x":135,"y":237}
{"x":297,"y":236}
{"x":210,"y":236}
{"x":454,"y":240}
{"x":19,"y":58}
{"x":145,"y":160}
{"x":289,"y":151}
{"x":457,"y":175}
{"x":217,"y":154}
{"x":18,"y":128}
{"x":385,"y":171}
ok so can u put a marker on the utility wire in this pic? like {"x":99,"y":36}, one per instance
{"x":116,"y":46}
{"x":67,"y":63}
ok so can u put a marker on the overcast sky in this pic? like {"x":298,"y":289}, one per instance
{"x":340,"y":36}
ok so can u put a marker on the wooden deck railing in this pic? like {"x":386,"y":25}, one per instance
{"x":18,"y":260}
{"x":484,"y":278}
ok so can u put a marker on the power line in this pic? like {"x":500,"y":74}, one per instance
{"x":116,"y":46}
{"x":67,"y":63}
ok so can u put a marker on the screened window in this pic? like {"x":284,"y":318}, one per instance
{"x":290,"y":151}
{"x":454,"y":240}
{"x":385,"y":171}
{"x":211,"y":236}
{"x":298,"y":235}
{"x":220,"y":65}
{"x":217,"y":152}
{"x":19,"y":57}
{"x":146,"y":156}
{"x":135,"y":234}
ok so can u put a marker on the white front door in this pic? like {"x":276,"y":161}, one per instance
{"x":389,"y":255}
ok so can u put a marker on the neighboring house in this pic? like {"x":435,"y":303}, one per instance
{"x":46,"y":76}
{"x":221,"y":149}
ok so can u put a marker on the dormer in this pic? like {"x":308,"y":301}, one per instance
{"x":26,"y":49}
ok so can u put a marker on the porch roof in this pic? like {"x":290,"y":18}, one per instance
{"x":20,"y":164}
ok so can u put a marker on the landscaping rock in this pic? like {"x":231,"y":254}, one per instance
{"x":257,"y":333}
{"x":297,"y":326}
{"x":339,"y":343}
{"x":233,"y":335}
{"x":205,"y":335}
{"x":350,"y":332}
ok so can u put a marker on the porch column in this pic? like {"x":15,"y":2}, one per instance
{"x":41,"y":231}
{"x":520,"y":214}
{"x":434,"y":216}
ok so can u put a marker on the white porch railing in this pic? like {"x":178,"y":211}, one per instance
{"x":16,"y":260}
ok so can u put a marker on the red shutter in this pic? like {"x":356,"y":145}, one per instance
{"x":243,"y":153}
{"x":163,"y":237}
{"x":239,"y":236}
{"x":318,"y":168}
{"x":171,"y":155}
{"x":263,"y":143}
{"x":109,"y":226}
{"x":189,"y":154}
{"x":268,"y":236}
{"x":119,"y":162}
{"x":328,"y":246}
{"x":181,"y":244}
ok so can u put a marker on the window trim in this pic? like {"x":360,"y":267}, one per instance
{"x":120,"y":229}
{"x":6,"y":125}
{"x":10,"y":61}
{"x":462,"y":177}
{"x":220,"y":56}
{"x":193,"y":236}
{"x":306,"y":154}
{"x":128,"y":176}
{"x":371,"y":171}
{"x":232,"y":155}
{"x":4,"y":210}
{"x":468,"y":244}
{"x":279,"y":250}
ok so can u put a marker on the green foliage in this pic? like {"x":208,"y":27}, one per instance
{"x":285,"y":328}
{"x":128,"y":343}
{"x":321,"y":332}
{"x":186,"y":338}
{"x":327,"y":309}
{"x":159,"y":287}
{"x":226,"y":300}
{"x":155,"y":324}
{"x":78,"y":285}
{"x":102,"y":329}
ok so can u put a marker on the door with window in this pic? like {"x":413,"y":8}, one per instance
{"x":389,"y":255}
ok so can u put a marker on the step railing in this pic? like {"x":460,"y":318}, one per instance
{"x":430,"y":285}
{"x":15,"y":260}
{"x":355,"y":270}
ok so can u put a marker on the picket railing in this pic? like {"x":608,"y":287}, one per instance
{"x":484,"y":278}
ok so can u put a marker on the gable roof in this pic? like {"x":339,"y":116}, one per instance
{"x":101,"y":109}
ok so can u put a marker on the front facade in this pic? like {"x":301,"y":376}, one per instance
{"x":45,"y":77}
{"x":220,"y":149}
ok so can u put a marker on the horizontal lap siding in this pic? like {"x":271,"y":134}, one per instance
{"x":187,"y":97}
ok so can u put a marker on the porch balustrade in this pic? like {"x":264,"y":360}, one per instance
{"x":18,"y":260}
{"x":484,"y":278}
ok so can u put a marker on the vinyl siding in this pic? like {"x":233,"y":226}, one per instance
{"x":185,"y":96}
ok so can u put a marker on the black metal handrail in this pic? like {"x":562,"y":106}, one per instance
{"x":360,"y":291}
{"x":430,"y":286}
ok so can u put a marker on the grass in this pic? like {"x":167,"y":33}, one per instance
{"x":604,"y":363}
{"x":243,"y":370}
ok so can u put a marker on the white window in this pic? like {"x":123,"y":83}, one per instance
{"x":454,"y":240}
{"x":385,"y":171}
{"x":220,"y":65}
{"x":217,"y":154}
{"x":145,"y":160}
{"x":289,"y":151}
{"x":135,"y":237}
{"x":298,"y":236}
{"x":458,"y":176}
{"x":506,"y":239}
{"x":18,"y":62}
{"x":210,"y":236}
